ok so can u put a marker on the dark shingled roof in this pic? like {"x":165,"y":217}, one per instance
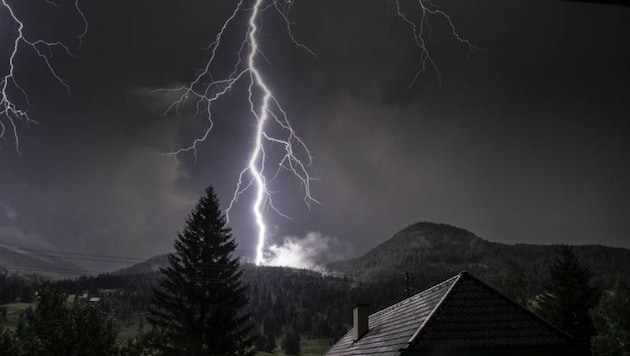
{"x":392,"y":328}
{"x":459,"y":313}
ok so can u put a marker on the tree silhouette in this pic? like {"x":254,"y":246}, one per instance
{"x":199,"y":305}
{"x":569,"y":297}
{"x":8,"y":345}
{"x":612,"y":320}
{"x":55,"y":328}
{"x":510,"y":280}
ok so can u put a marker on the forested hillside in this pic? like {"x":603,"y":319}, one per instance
{"x":17,"y":287}
{"x":433,"y":252}
{"x":315,"y":305}
{"x":281,"y":299}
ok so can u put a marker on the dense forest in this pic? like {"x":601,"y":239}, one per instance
{"x":15,"y":287}
{"x":307,"y":302}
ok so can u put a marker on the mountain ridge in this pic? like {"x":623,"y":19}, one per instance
{"x":429,"y":252}
{"x":435,"y":251}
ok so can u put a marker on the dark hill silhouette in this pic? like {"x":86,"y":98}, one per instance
{"x":433,"y":252}
{"x":152,"y":265}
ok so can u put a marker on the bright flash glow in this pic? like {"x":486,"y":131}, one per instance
{"x":11,"y":93}
{"x":312,"y":251}
{"x":272,"y":125}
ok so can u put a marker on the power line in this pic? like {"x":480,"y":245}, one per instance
{"x":66,"y":254}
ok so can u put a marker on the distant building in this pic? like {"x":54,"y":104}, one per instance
{"x":95,"y":299}
{"x":460,"y":316}
{"x":106,"y":291}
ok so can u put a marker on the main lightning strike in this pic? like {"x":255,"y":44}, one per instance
{"x":205,"y":91}
{"x":265,"y":108}
{"x":11,"y":112}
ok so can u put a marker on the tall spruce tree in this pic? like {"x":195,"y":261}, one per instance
{"x":199,"y":305}
{"x":569,"y":296}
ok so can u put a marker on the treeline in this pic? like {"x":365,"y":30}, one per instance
{"x":281,"y":300}
{"x":17,"y":287}
{"x":287,"y":304}
{"x":284,"y":303}
{"x":54,"y":327}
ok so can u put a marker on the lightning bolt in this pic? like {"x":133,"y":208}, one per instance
{"x":273,"y":128}
{"x":14,"y":99}
{"x":421,"y":30}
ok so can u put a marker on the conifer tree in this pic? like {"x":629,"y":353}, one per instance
{"x":54,"y":328}
{"x":8,"y":345}
{"x":510,"y":280}
{"x":199,"y":305}
{"x":569,"y":297}
{"x":612,"y":320}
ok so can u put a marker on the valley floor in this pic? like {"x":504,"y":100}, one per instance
{"x":314,"y":347}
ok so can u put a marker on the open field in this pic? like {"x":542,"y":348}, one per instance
{"x":314,"y":347}
{"x":13,"y":313}
{"x":14,"y":310}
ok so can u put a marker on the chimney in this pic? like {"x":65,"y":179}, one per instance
{"x":360,"y":320}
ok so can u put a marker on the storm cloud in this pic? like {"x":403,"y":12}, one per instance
{"x":524,"y":140}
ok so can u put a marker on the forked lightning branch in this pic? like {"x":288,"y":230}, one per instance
{"x":273,"y":127}
{"x":15,"y":102}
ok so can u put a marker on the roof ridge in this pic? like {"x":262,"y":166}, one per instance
{"x":428,"y":319}
{"x":465,"y":275}
{"x":391,"y":308}
{"x":519,"y":306}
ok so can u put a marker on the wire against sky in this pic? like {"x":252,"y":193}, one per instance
{"x":14,"y":99}
{"x":273,"y":127}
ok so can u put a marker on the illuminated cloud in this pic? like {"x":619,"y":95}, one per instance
{"x":313,"y":252}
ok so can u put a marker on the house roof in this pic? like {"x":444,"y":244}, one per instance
{"x":392,"y":328}
{"x":459,"y":313}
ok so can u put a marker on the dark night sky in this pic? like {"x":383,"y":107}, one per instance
{"x":524,"y":141}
